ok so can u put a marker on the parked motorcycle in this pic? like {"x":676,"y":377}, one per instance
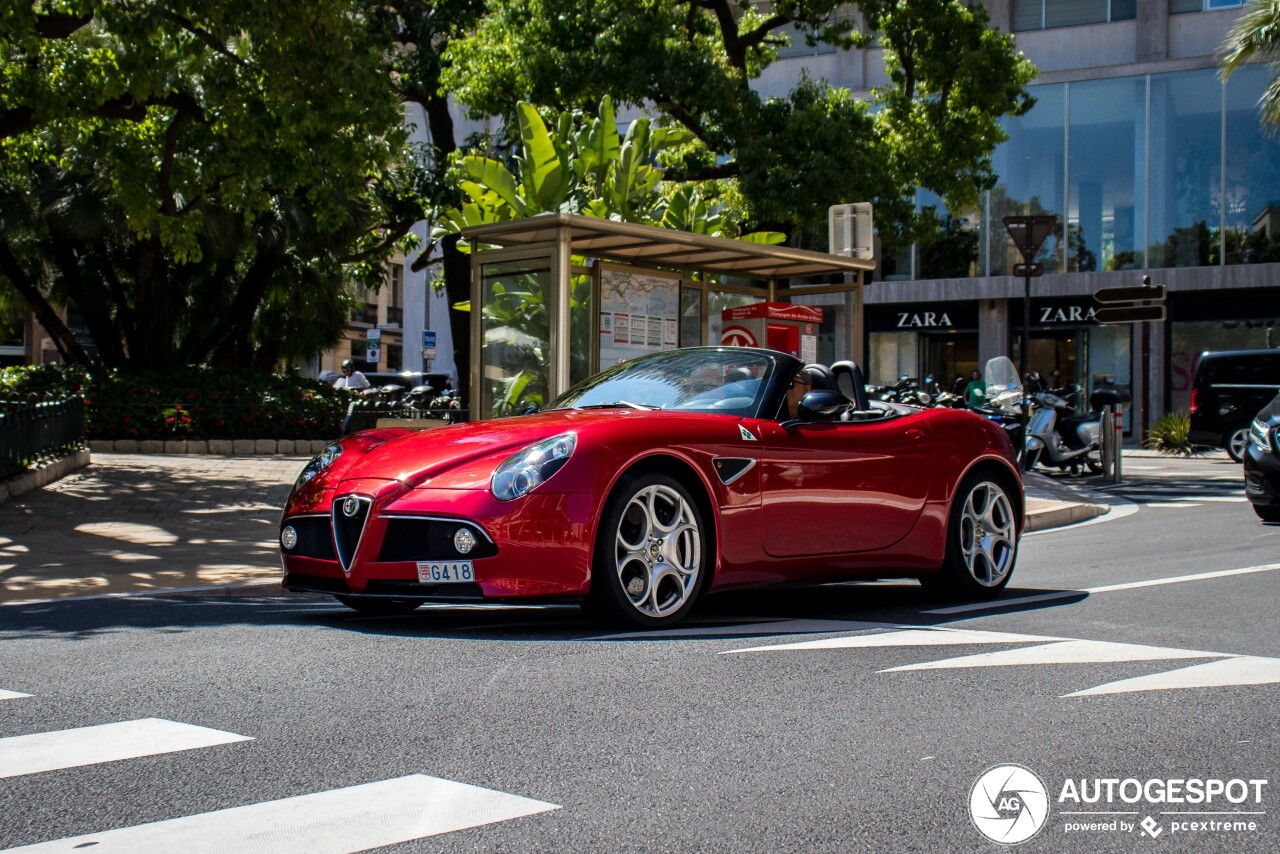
{"x":1004,"y":400}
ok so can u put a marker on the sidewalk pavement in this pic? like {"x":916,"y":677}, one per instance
{"x":129,"y":524}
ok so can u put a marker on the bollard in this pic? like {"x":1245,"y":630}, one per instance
{"x":1118,"y":444}
{"x":1108,"y":443}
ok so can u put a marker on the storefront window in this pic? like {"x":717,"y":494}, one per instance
{"x":1186,"y":165}
{"x":1030,"y":168}
{"x":893,"y":354}
{"x":1107,"y":159}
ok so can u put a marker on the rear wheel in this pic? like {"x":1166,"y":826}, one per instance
{"x":651,"y":554}
{"x":982,"y":540}
{"x":1237,"y":442}
{"x":1267,"y":513}
{"x":379,"y":607}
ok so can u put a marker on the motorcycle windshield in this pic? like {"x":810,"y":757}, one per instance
{"x":1004,"y":389}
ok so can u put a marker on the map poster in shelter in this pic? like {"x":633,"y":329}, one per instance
{"x":639,"y":314}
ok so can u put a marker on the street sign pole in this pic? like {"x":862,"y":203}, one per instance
{"x":1028,"y":233}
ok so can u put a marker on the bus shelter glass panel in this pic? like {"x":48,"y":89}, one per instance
{"x":515,"y":354}
{"x":581,"y":315}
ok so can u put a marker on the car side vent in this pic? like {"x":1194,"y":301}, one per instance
{"x":729,"y":469}
{"x":350,"y":512}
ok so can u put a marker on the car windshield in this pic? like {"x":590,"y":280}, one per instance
{"x":727,"y":380}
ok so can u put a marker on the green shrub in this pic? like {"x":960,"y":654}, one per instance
{"x":1168,"y":435}
{"x":188,"y":403}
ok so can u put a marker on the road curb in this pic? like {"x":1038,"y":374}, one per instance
{"x":1065,"y":513}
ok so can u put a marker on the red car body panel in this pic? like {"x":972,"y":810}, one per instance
{"x":819,"y":500}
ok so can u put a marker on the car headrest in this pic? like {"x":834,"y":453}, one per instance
{"x":821,"y":376}
{"x":851,"y":383}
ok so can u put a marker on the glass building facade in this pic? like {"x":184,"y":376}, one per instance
{"x":1158,"y":170}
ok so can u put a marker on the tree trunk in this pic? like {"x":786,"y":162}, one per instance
{"x":68,"y":347}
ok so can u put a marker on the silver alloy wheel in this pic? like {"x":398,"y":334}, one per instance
{"x":658,"y":551}
{"x":987,"y":534}
{"x":1237,"y":442}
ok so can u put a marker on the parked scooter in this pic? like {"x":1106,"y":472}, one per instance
{"x":1069,"y":441}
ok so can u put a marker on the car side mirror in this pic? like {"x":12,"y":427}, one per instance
{"x":822,"y":405}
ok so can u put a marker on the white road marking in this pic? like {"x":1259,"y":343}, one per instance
{"x":1109,"y":588}
{"x":72,"y":748}
{"x":907,"y":637}
{"x":1173,"y":505}
{"x":780,"y":627}
{"x":11,"y":695}
{"x":1063,"y":652}
{"x":1237,"y":670}
{"x":339,"y":821}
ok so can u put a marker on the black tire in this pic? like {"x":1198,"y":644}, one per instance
{"x":1268,"y":513}
{"x":375,"y":607}
{"x":1094,"y":463}
{"x":976,"y":567}
{"x":651,"y":558}
{"x":1236,"y":442}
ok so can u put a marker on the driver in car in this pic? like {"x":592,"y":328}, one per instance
{"x":800,"y":386}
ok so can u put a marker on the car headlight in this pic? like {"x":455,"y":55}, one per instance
{"x":321,"y":462}
{"x":1258,"y":434}
{"x":521,"y":472}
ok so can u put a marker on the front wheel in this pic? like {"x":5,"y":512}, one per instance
{"x":651,"y":554}
{"x":1267,"y":513}
{"x":379,"y":607}
{"x":1237,"y":442}
{"x":982,"y":540}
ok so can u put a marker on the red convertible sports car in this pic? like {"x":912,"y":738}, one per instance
{"x":654,"y":482}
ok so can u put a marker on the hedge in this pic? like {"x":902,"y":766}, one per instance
{"x":187,"y":403}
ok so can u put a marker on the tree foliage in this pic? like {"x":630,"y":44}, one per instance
{"x":196,"y":181}
{"x":934,"y":126}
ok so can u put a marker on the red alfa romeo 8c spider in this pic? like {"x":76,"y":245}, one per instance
{"x":654,"y":482}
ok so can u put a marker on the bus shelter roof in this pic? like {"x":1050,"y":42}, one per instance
{"x":651,"y":246}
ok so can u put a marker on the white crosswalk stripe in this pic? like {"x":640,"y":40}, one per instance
{"x":1228,"y":670}
{"x":339,"y":821}
{"x":72,"y":748}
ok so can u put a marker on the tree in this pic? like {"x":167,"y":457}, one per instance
{"x":1256,"y":37}
{"x":952,"y":78}
{"x":197,"y":181}
{"x":577,"y":164}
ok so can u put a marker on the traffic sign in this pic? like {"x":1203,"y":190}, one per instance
{"x":428,"y":338}
{"x":374,"y":336}
{"x":373,"y":355}
{"x":1029,"y":233}
{"x":1032,"y":270}
{"x":1131,"y":293}
{"x":1129,"y":313}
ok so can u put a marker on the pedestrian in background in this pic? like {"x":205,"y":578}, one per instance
{"x":975,"y":393}
{"x":351,"y":378}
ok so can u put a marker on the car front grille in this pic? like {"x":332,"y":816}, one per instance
{"x":350,"y":512}
{"x":314,"y":539}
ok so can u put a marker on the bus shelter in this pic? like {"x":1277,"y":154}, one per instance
{"x":557,"y":297}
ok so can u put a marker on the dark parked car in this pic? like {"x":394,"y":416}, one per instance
{"x":1262,"y":463}
{"x":1229,"y":388}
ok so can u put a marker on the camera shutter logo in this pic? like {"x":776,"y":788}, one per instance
{"x":1009,"y":804}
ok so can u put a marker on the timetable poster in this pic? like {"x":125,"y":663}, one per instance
{"x":639,"y":314}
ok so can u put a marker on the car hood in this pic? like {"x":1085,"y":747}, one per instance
{"x":422,"y":457}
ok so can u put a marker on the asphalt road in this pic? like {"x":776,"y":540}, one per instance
{"x":840,"y":718}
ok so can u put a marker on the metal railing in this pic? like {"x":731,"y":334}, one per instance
{"x":32,"y":431}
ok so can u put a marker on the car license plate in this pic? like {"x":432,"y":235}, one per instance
{"x":445,"y":572}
